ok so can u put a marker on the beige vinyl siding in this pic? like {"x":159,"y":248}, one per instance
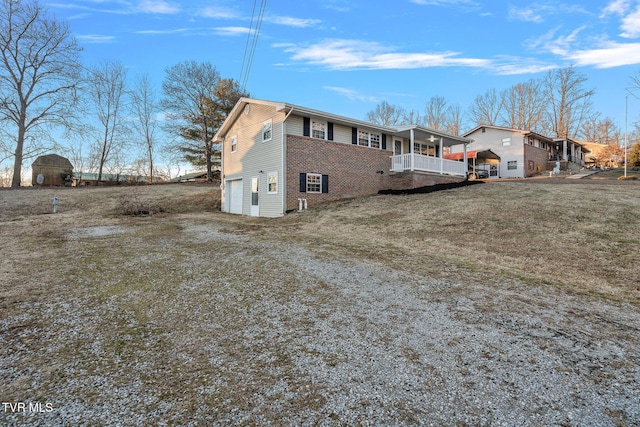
{"x":341,"y":133}
{"x":294,"y":125}
{"x":254,"y":156}
{"x":491,"y":139}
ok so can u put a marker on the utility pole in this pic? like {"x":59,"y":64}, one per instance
{"x":626,"y":133}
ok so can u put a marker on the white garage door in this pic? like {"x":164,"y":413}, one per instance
{"x":234,"y":193}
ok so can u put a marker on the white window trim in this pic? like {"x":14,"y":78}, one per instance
{"x":264,"y":126}
{"x":269,"y":175}
{"x":317,"y":175}
{"x":326,"y":129}
{"x":515,"y":162}
{"x":369,"y":133}
{"x":420,"y":147}
{"x":234,"y":144}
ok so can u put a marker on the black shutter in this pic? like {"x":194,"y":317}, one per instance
{"x":330,"y":131}
{"x":354,"y":136}
{"x":306,"y":126}
{"x":384,"y":141}
{"x":325,"y":183}
{"x":303,"y":182}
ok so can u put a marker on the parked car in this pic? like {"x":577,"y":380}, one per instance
{"x":478,"y":174}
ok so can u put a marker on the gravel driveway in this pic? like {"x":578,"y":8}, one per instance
{"x":248,"y":331}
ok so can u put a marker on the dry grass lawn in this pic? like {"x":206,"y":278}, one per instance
{"x":175,"y":316}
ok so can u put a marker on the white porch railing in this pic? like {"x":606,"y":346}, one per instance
{"x":423,"y":163}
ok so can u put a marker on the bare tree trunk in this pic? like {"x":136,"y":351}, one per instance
{"x":17,"y":163}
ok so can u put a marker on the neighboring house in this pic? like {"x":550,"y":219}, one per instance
{"x":523,"y":153}
{"x":276,"y":156}
{"x":602,"y":155}
{"x":51,"y":169}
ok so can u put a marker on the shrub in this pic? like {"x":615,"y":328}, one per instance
{"x":132,"y":204}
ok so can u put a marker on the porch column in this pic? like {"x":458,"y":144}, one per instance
{"x":564,"y":149}
{"x":464,"y":156}
{"x":411,"y":148}
{"x":441,"y":158}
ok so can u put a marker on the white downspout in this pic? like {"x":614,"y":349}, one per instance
{"x":284,"y":162}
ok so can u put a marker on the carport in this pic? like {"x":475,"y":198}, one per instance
{"x":478,"y":160}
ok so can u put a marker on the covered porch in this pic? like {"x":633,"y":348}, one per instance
{"x":417,"y":148}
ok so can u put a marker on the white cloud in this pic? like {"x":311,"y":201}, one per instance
{"x":157,"y":7}
{"x":352,"y":95}
{"x":162,"y":32}
{"x":232,"y":31}
{"x":337,"y":54}
{"x":608,"y":56}
{"x":560,"y":45}
{"x":631,"y":24}
{"x":292,"y":22}
{"x":95,"y":38}
{"x":446,"y":2}
{"x":618,"y":7}
{"x":219,"y":13}
{"x":526,"y":15}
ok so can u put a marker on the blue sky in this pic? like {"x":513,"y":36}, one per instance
{"x":346,"y":56}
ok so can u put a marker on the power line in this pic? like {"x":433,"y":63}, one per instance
{"x":246,"y":46}
{"x":249,"y":53}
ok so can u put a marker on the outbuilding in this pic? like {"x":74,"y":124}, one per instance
{"x":51,"y":170}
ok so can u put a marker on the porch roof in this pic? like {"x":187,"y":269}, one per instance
{"x":422,"y":133}
{"x":473,"y":154}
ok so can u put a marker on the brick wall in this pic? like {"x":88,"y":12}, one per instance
{"x":536,"y":157}
{"x":408,"y":180}
{"x":352,"y":170}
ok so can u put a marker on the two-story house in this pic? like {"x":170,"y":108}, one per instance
{"x":522,"y":153}
{"x":275,"y":155}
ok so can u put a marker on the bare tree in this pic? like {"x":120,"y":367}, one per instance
{"x":386,"y":114}
{"x":486,"y":109}
{"x":569,"y":102}
{"x":453,"y":120}
{"x":39,"y":74}
{"x":435,"y":115}
{"x":600,"y":131}
{"x":145,"y":108}
{"x":195,"y":110}
{"x":523,"y":106}
{"x":634,"y":84}
{"x":107,"y":90}
{"x":412,"y":117}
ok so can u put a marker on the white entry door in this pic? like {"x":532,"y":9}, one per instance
{"x":234,"y":194}
{"x":255,"y":195}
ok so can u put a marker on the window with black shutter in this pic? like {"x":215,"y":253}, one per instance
{"x":303,"y":182}
{"x":306,"y":126}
